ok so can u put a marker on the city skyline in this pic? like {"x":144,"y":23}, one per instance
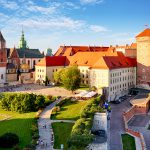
{"x":49,"y":23}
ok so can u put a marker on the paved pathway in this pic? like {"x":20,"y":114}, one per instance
{"x":117,"y":124}
{"x":69,"y":121}
{"x":46,"y":133}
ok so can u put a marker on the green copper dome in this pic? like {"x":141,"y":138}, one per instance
{"x":22,"y":42}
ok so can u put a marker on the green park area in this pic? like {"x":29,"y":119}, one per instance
{"x":74,"y":136}
{"x":62,"y":131}
{"x":71,"y":110}
{"x":19,"y":110}
{"x":19,"y":124}
{"x":128,"y":142}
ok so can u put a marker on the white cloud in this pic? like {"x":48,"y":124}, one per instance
{"x":43,"y":10}
{"x":58,"y":23}
{"x":97,"y":28}
{"x":91,"y":1}
{"x":9,"y":4}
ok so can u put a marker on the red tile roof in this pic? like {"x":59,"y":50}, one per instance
{"x":107,"y":59}
{"x":52,"y":61}
{"x":144,"y":33}
{"x":71,"y":50}
{"x":103,"y":60}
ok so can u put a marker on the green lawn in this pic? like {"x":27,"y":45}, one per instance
{"x":19,"y":124}
{"x":61,"y":134}
{"x":70,"y":110}
{"x":128,"y":142}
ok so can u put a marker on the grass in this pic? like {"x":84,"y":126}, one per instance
{"x":84,"y":87}
{"x":128,"y":142}
{"x":70,"y":110}
{"x":62,"y":133}
{"x":19,"y":124}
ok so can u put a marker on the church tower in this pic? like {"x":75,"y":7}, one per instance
{"x":143,"y":59}
{"x":3,"y":59}
{"x":22,"y":43}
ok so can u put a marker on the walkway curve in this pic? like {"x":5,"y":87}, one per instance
{"x":46,"y":133}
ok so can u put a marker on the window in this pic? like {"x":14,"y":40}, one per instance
{"x":29,"y":62}
{"x":33,"y":62}
{"x":2,"y":76}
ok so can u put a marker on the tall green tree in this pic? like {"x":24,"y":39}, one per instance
{"x":58,"y":75}
{"x":70,"y":78}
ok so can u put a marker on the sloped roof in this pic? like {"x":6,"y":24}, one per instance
{"x":1,"y":37}
{"x":144,"y":33}
{"x":52,"y":61}
{"x":71,"y":50}
{"x":29,"y":53}
{"x":103,"y":60}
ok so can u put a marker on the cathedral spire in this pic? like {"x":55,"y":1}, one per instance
{"x":22,"y":43}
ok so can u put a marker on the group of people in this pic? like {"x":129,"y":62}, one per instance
{"x":41,"y":143}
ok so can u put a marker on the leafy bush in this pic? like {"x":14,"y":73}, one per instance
{"x":20,"y":102}
{"x":8,"y":140}
{"x":80,"y":134}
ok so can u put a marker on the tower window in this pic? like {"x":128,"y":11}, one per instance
{"x":2,"y":76}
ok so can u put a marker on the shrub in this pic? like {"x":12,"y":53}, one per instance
{"x":8,"y":140}
{"x":22,"y":103}
{"x":93,"y":88}
{"x":80,"y":134}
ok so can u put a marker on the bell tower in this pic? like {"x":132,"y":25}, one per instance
{"x":3,"y":59}
{"x":22,"y":43}
{"x":143,"y":59}
{"x":3,"y":53}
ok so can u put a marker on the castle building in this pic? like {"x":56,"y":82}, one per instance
{"x":17,"y":61}
{"x":143,"y":59}
{"x":102,"y":67}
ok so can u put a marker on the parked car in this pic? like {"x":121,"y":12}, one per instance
{"x":118,"y":101}
{"x":100,"y":133}
{"x":122,"y":98}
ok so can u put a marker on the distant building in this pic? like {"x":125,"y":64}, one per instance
{"x":143,"y":59}
{"x":16,"y":61}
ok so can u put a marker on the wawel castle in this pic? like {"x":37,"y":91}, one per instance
{"x":18,"y":62}
{"x":113,"y":70}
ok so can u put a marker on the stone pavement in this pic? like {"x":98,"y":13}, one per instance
{"x":46,"y":133}
{"x":117,"y":124}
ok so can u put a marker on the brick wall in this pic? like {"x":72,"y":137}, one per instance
{"x":127,"y":116}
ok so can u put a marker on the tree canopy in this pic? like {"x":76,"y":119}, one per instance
{"x":69,"y":77}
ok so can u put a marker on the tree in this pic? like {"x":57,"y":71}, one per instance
{"x":58,"y":75}
{"x":46,"y":81}
{"x":70,"y":78}
{"x":8,"y":140}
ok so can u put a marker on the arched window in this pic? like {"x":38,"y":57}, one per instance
{"x":29,"y":62}
{"x":33,"y":62}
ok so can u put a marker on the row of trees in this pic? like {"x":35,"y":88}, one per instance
{"x":21,"y":102}
{"x":69,"y":77}
{"x":80,"y":134}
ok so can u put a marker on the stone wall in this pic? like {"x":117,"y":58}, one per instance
{"x":11,"y":77}
{"x":127,"y":116}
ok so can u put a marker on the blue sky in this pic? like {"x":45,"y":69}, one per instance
{"x":51,"y":23}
